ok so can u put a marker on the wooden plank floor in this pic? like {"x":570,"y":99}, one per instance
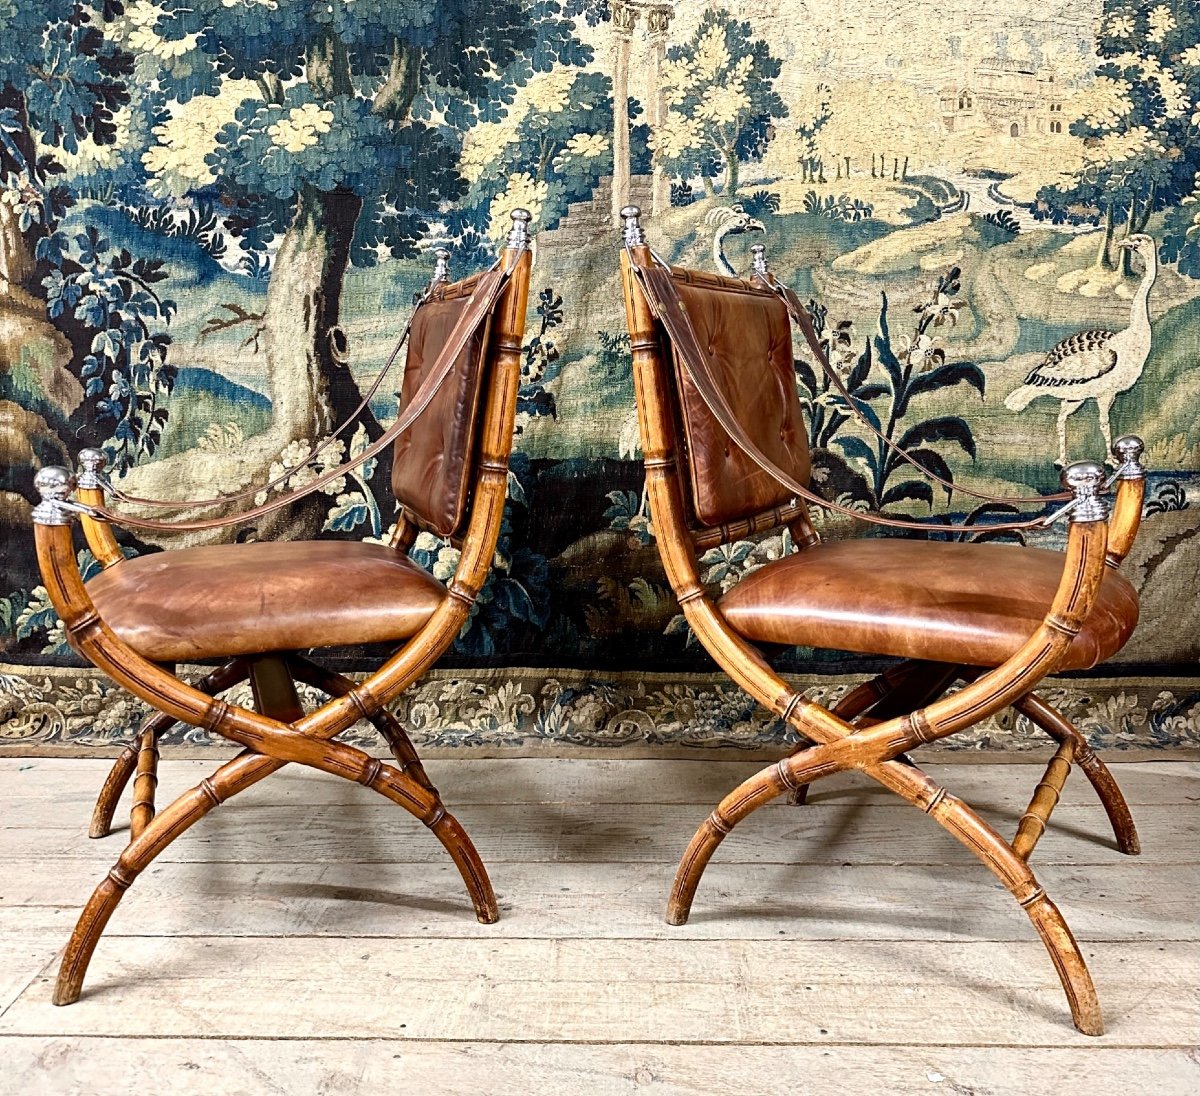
{"x":311,"y":937}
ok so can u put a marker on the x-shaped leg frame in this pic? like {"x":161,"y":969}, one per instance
{"x":143,"y":756}
{"x":273,"y":745}
{"x":279,"y":734}
{"x":912,"y":683}
{"x":916,"y":787}
{"x":905,"y":713}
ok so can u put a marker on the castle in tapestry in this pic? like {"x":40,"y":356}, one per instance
{"x":1008,"y":96}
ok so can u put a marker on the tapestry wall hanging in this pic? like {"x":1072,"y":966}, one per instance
{"x":214,"y":218}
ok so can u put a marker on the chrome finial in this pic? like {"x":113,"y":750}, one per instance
{"x":441,"y":266}
{"x":1128,"y":451}
{"x":55,"y":485}
{"x":758,"y":261}
{"x":92,"y":463}
{"x":518,"y":237}
{"x":1084,"y":479}
{"x":634,"y":236}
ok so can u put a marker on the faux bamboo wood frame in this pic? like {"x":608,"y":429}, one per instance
{"x":874,"y":727}
{"x":279,"y":731}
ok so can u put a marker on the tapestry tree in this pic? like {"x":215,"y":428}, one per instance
{"x":721,"y":101}
{"x":82,"y":345}
{"x":347,"y":150}
{"x":551,"y":148}
{"x":1139,"y":132}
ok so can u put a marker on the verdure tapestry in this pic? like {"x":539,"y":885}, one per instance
{"x":214,"y":218}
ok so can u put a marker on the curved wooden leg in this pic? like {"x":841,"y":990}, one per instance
{"x":351,"y":763}
{"x":146,"y":783}
{"x":234,"y":776}
{"x":110,"y":793}
{"x":123,"y":768}
{"x":958,"y":819}
{"x":1032,"y":824}
{"x":405,"y":753}
{"x":334,"y":684}
{"x":791,"y":773}
{"x":180,"y":816}
{"x":1061,"y":729}
{"x":272,"y":678}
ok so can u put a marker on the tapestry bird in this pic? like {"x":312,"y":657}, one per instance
{"x":1095,"y":365}
{"x":729,"y":221}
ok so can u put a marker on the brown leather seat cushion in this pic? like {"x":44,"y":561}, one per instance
{"x":960,"y":603}
{"x":237,"y":599}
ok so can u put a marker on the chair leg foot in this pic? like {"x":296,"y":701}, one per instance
{"x":180,"y":816}
{"x":110,"y":793}
{"x":425,"y":805}
{"x":1058,"y":727}
{"x":687,"y":877}
{"x":454,"y":839}
{"x":963,"y":823}
{"x":1112,"y":799}
{"x":88,"y":930}
{"x":788,"y":775}
{"x":1068,"y":961}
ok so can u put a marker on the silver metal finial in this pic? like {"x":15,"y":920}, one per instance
{"x":518,"y":237}
{"x":1084,"y":479}
{"x":441,"y":266}
{"x":634,"y":236}
{"x":92,"y":463}
{"x":55,"y":485}
{"x":758,"y":261}
{"x":1128,"y":450}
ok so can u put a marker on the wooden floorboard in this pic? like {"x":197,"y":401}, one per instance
{"x":685,"y":991}
{"x":311,"y":937}
{"x":24,"y":954}
{"x":54,"y":1066}
{"x":840,"y":831}
{"x":610,"y":901}
{"x":554,"y":780}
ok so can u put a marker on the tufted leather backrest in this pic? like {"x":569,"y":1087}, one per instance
{"x":748,"y":337}
{"x":432,"y":460}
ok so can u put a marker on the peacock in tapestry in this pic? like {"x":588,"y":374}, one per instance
{"x":729,"y":221}
{"x":1097,"y":364}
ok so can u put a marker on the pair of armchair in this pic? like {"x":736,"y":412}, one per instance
{"x":726,"y":456}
